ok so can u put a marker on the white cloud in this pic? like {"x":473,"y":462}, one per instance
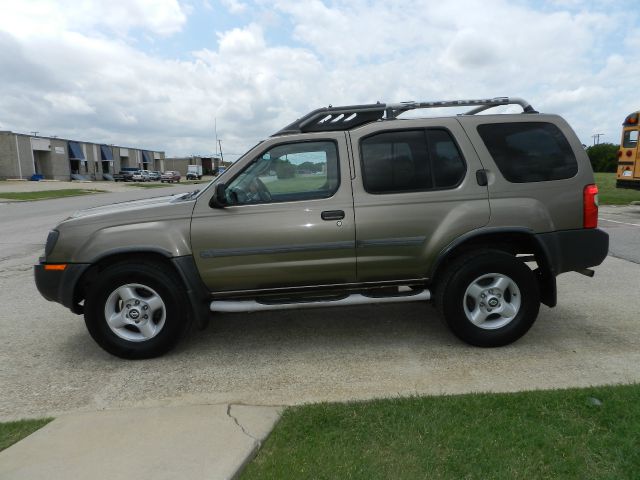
{"x":235,"y":6}
{"x":72,"y":68}
{"x":30,"y":18}
{"x":64,"y":103}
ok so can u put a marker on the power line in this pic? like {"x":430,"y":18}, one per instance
{"x":596,"y":138}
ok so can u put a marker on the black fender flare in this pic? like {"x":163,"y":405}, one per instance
{"x":546,"y":271}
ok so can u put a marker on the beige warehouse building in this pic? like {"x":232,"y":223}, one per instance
{"x":23,"y":156}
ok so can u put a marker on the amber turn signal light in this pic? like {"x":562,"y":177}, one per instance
{"x":56,"y":267}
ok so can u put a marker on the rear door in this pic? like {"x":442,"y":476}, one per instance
{"x":289,"y":222}
{"x":415,"y":191}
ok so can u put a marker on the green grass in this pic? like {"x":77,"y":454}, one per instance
{"x":48,"y":194}
{"x":527,"y":435}
{"x":610,"y":195}
{"x":12,"y":432}
{"x":148,"y":185}
{"x":296,"y":184}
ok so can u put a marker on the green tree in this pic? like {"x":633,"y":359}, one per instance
{"x":309,"y":167}
{"x":284,"y":169}
{"x":604,"y":157}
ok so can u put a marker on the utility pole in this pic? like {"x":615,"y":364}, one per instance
{"x":221,"y":156}
{"x":35,"y":134}
{"x":596,"y":138}
{"x":215,"y":131}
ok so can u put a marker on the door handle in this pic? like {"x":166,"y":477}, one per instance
{"x":332,"y":215}
{"x":481,"y":177}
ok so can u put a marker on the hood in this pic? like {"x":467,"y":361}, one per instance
{"x":131,"y":206}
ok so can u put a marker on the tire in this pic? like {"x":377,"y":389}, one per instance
{"x":508,"y":308}
{"x":127,"y":288}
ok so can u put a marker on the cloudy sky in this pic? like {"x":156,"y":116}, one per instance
{"x":156,"y":73}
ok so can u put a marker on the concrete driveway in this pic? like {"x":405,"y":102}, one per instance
{"x":50,"y":365}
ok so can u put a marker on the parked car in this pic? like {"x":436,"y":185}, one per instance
{"x":125,"y":175}
{"x":475,"y":213}
{"x":170,"y":176}
{"x":141,"y":176}
{"x":154,"y":176}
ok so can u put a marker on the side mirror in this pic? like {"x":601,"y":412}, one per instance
{"x":219,"y":199}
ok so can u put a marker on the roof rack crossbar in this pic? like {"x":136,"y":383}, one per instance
{"x":480,"y":105}
{"x":351,"y":116}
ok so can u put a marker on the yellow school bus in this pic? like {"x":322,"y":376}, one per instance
{"x":629,"y":156}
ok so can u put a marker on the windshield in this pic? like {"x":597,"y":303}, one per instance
{"x":222,"y":175}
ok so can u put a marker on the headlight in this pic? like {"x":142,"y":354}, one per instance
{"x":52,"y":238}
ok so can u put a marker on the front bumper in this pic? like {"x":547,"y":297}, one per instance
{"x":59,"y":285}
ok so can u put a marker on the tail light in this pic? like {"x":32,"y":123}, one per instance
{"x":590,"y":206}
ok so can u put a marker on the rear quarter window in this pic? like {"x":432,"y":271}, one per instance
{"x":529,"y":151}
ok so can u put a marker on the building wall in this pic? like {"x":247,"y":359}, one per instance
{"x":52,"y":158}
{"x":180,"y":163}
{"x":26,"y":155}
{"x":9,"y":156}
{"x":60,"y":159}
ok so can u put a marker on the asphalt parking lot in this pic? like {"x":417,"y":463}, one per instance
{"x":50,"y":365}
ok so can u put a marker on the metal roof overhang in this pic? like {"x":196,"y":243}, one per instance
{"x":75,"y":151}
{"x":105,"y":153}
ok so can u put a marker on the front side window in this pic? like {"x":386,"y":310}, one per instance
{"x":410,"y":160}
{"x":289,"y":172}
{"x":529,"y":151}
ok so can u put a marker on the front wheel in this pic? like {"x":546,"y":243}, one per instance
{"x":136,"y":310}
{"x":489,"y":298}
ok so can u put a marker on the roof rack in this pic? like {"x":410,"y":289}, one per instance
{"x":348,"y":117}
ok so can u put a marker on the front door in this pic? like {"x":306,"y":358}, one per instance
{"x":288,"y":219}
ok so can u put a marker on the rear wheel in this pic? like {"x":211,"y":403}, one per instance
{"x":136,"y":310}
{"x":489,"y":298}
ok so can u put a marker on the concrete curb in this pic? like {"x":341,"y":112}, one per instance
{"x":194,"y":442}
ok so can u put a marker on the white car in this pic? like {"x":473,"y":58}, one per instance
{"x":141,"y":176}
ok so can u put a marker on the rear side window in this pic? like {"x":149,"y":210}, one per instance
{"x":410,"y":160}
{"x":529,"y":151}
{"x":630,"y":139}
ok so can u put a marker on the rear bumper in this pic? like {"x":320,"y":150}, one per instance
{"x":635,"y":184}
{"x":571,"y":250}
{"x":59,"y":285}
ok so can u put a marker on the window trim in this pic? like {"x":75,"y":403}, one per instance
{"x":293,"y":142}
{"x":424,"y":130}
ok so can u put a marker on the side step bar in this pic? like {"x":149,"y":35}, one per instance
{"x":236,"y":306}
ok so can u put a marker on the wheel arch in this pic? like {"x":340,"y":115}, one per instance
{"x":184,"y":267}
{"x":513,"y":240}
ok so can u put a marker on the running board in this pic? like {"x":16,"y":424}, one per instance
{"x":236,"y":306}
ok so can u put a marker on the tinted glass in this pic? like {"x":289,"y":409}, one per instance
{"x":395,"y":162}
{"x":411,"y":160}
{"x":529,"y":151}
{"x":446,"y":162}
{"x":290,"y":172}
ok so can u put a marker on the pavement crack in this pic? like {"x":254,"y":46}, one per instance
{"x":235,"y":419}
